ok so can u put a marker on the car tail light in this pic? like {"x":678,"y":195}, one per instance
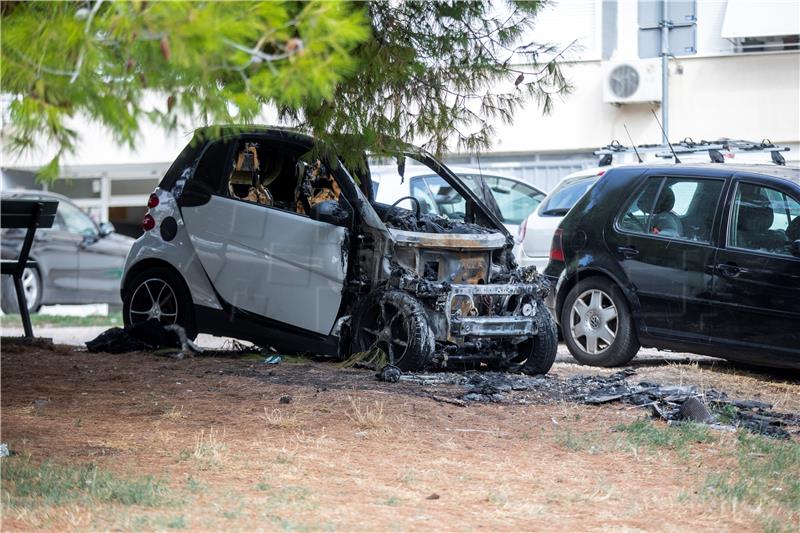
{"x":148,"y":222}
{"x":522,"y":230}
{"x":557,"y":248}
{"x":152,"y":201}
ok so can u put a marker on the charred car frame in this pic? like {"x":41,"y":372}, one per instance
{"x":255,"y":235}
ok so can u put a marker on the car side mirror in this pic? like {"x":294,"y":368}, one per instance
{"x":90,"y":237}
{"x":796,"y":248}
{"x":106,"y":229}
{"x":331,"y":212}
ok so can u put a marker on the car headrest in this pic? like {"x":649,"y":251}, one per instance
{"x":248,"y":159}
{"x":246,"y":165}
{"x":666,"y":201}
{"x":793,"y":229}
{"x":272,"y":168}
{"x":755,"y":218}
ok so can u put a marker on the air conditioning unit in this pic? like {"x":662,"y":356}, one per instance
{"x":629,"y":82}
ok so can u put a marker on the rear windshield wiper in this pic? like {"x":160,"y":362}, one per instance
{"x":557,"y":212}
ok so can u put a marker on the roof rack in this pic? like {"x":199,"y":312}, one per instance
{"x":689,"y":146}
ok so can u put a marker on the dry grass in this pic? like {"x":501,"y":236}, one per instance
{"x":174,"y":413}
{"x":209,"y":449}
{"x":277,"y":419}
{"x":352,"y":453}
{"x":365,"y":415}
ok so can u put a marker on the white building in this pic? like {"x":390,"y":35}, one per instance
{"x":743,"y":82}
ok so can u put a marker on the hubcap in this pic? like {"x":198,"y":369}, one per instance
{"x":30,"y":286}
{"x":593,"y":321}
{"x":388,"y":332}
{"x":154,"y":299}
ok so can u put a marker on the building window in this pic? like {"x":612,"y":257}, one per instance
{"x":766,"y":26}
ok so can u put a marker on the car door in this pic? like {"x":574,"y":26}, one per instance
{"x":663,"y":241}
{"x":270,"y":261}
{"x":98,"y":272}
{"x":756,"y":276}
{"x":102,"y":260}
{"x":56,"y":250}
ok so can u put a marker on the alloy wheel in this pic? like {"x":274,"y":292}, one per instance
{"x":593,"y":321}
{"x":154,"y":298}
{"x":388,"y":331}
{"x":30,"y":286}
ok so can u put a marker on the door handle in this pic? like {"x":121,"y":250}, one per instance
{"x":730,"y":270}
{"x":628,"y":251}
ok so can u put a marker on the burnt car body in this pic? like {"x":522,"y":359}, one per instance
{"x":250,"y":236}
{"x":689,"y":257}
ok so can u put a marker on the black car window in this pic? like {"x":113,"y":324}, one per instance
{"x":681,"y":208}
{"x":210,"y":168}
{"x":565,"y":196}
{"x":763,"y":219}
{"x":183,"y":162}
{"x":635,"y":216}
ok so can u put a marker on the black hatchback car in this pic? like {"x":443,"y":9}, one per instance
{"x":699,"y":258}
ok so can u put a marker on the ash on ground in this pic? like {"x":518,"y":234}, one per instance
{"x":669,"y":402}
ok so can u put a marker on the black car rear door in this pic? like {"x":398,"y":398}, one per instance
{"x":756,"y":277}
{"x":663,"y":240}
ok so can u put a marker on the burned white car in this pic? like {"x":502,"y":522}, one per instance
{"x":251,"y":235}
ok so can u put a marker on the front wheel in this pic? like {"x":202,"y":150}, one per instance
{"x":159,"y":293}
{"x":395,"y":322}
{"x":597,"y":325}
{"x":539,"y":352}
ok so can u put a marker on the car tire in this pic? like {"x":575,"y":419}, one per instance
{"x":31,"y":285}
{"x":395,"y":322}
{"x":597,"y":325}
{"x":540,"y":351}
{"x":159,"y":293}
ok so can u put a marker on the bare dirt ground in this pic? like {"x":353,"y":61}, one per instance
{"x":234,"y":444}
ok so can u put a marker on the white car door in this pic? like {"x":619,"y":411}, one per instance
{"x":272,"y":262}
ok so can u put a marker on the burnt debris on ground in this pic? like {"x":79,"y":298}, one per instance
{"x":673,"y":403}
{"x":147,"y":335}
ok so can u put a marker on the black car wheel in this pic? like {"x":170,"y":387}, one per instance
{"x":395,"y":322}
{"x":539,"y":353}
{"x":31,"y":286}
{"x":159,"y":293}
{"x":596,"y":324}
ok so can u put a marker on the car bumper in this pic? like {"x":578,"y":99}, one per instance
{"x":518,"y":305}
{"x":551,"y":300}
{"x":525,"y":260}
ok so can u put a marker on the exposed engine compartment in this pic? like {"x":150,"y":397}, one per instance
{"x":405,"y":219}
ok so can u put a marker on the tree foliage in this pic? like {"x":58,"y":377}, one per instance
{"x":357,"y":74}
{"x":441,"y":74}
{"x":200,"y":62}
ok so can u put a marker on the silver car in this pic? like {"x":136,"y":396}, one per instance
{"x":251,"y":235}
{"x":78,"y":261}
